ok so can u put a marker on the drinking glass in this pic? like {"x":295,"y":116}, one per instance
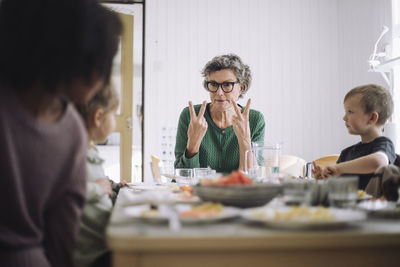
{"x":203,"y":173}
{"x":262,"y":162}
{"x":267,"y":143}
{"x":184,"y":176}
{"x":342,"y":191}
{"x":257,"y":144}
{"x":167,"y":173}
{"x":299,"y":192}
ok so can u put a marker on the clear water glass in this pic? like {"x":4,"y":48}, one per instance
{"x":200,"y":173}
{"x":342,"y":191}
{"x":299,"y":192}
{"x":184,"y":176}
{"x":263,"y":162}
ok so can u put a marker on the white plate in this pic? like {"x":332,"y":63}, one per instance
{"x":141,"y":213}
{"x":365,"y":197}
{"x":143,"y":187}
{"x":137,"y":187}
{"x":380,"y":208}
{"x":339,"y":218}
{"x":226,"y":214}
{"x":378,"y":204}
{"x":182,"y":197}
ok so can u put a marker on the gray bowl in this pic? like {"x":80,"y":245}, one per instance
{"x":243,"y":196}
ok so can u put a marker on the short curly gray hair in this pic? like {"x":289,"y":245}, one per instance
{"x":232,"y":62}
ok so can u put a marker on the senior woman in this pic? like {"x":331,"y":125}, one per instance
{"x":217,"y":134}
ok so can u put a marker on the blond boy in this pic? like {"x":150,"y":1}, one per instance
{"x":367,"y":108}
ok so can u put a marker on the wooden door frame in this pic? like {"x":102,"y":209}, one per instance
{"x":124,"y":120}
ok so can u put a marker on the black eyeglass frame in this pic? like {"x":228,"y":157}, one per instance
{"x":220,"y":85}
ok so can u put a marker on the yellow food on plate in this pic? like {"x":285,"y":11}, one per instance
{"x":186,"y":194}
{"x":206,"y":209}
{"x":152,"y":213}
{"x":209,"y":206}
{"x":360,"y":193}
{"x":300,"y":214}
{"x":304,"y":213}
{"x":173,"y":187}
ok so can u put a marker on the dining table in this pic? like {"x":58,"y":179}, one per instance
{"x":239,"y":242}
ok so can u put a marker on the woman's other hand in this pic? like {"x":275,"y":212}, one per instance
{"x":197,"y":129}
{"x":241,"y":125}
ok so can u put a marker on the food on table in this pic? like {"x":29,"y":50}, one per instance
{"x":360,"y":194}
{"x":173,"y":187}
{"x":152,"y":213}
{"x":382,"y":198}
{"x":235,"y":178}
{"x":300,"y":214}
{"x":186,"y":188}
{"x":186,"y":196}
{"x":207,"y":209}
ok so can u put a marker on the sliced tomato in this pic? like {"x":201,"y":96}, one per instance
{"x":206,"y":181}
{"x":244,"y":179}
{"x":235,"y":178}
{"x":223,"y":180}
{"x":186,"y":188}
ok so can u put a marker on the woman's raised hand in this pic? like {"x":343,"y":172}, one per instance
{"x":241,"y":124}
{"x":197,"y":129}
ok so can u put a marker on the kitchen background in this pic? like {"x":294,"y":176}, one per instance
{"x":304,"y":55}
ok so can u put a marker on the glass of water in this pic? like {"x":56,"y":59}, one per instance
{"x":342,"y":191}
{"x":200,"y":173}
{"x":184,"y":176}
{"x":263,"y":162}
{"x":299,"y":192}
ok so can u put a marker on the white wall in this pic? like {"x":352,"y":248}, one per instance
{"x":304,"y":55}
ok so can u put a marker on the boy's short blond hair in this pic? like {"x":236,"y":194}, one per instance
{"x":374,"y":98}
{"x":106,"y":98}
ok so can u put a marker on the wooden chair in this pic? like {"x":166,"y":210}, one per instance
{"x":155,"y":167}
{"x":159,"y":171}
{"x":292,"y":165}
{"x":326,"y":160}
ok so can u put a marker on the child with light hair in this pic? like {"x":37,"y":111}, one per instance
{"x":367,"y":108}
{"x":99,"y":117}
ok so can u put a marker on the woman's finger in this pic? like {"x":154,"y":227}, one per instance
{"x":191,"y":109}
{"x":236,"y":107}
{"x":202,"y":109}
{"x":247,"y":108}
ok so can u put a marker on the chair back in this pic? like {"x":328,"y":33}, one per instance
{"x":327,"y":160}
{"x":292,"y":165}
{"x":155,"y":167}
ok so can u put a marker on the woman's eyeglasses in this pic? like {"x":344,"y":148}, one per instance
{"x":227,"y":87}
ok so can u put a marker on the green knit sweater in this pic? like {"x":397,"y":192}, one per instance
{"x":219,"y":148}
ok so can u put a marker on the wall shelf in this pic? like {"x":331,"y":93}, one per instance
{"x":387,"y":66}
